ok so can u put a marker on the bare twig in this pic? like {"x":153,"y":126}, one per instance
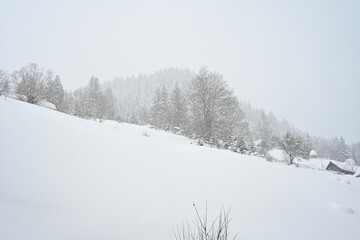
{"x":203,"y":230}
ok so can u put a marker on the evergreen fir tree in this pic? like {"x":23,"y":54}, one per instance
{"x":55,"y":93}
{"x":306,"y":147}
{"x":178,"y":109}
{"x":94,"y":97}
{"x":264,"y":131}
{"x":343,"y":149}
{"x":155,"y":109}
{"x":164,"y":109}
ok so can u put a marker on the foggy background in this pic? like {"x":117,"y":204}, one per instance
{"x":299,"y":59}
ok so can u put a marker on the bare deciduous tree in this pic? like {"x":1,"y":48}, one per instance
{"x":215,"y":111}
{"x":292,"y":145}
{"x":31,"y":83}
{"x":4,"y":83}
{"x":218,"y":229}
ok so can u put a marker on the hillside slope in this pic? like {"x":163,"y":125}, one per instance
{"x":62,"y":177}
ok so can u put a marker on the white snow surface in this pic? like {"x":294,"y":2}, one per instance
{"x":47,"y":104}
{"x":62,"y":177}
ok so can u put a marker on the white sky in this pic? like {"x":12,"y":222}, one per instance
{"x":300,"y":59}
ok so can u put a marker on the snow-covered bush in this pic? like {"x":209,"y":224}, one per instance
{"x":357,"y":173}
{"x":277,"y":155}
{"x":349,"y":164}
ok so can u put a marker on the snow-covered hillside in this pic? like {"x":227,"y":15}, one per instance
{"x":62,"y":177}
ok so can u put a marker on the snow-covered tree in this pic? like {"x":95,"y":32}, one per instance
{"x":31,"y":83}
{"x":355,"y":152}
{"x":292,"y":144}
{"x":306,"y":147}
{"x":94,"y":97}
{"x":323,"y":147}
{"x":344,"y":149}
{"x":68,"y":105}
{"x":213,"y":107}
{"x":160,"y":109}
{"x":178,"y":109}
{"x":165,"y":104}
{"x":91,"y":102}
{"x":264,"y":131}
{"x":55,"y":93}
{"x":82,"y":106}
{"x":239,"y":145}
{"x":340,"y":150}
{"x":134,"y":94}
{"x":243,"y":131}
{"x":4,"y":83}
{"x":143,"y":114}
{"x":230,"y":122}
{"x":139,"y":113}
{"x":106,"y":105}
{"x":155,"y":111}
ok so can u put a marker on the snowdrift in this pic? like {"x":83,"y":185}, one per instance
{"x":62,"y":177}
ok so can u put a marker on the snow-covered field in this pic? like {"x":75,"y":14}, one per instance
{"x":62,"y":177}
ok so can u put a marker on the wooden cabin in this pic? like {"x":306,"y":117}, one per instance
{"x":335,"y":168}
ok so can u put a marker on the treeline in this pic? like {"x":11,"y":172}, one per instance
{"x":206,"y":110}
{"x":200,"y":106}
{"x":34,"y":84}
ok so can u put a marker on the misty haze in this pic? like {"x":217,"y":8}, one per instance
{"x":183,"y":120}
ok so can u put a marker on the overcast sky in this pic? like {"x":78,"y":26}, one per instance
{"x":300,"y":59}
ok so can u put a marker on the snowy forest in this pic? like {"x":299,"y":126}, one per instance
{"x":201,"y":106}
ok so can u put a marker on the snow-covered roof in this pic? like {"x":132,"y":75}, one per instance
{"x":344,"y":166}
{"x":313,"y":153}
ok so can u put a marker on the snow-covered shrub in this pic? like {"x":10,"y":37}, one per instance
{"x":349,"y":164}
{"x":277,"y":155}
{"x":200,"y":142}
{"x":357,"y":173}
{"x":239,"y":145}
